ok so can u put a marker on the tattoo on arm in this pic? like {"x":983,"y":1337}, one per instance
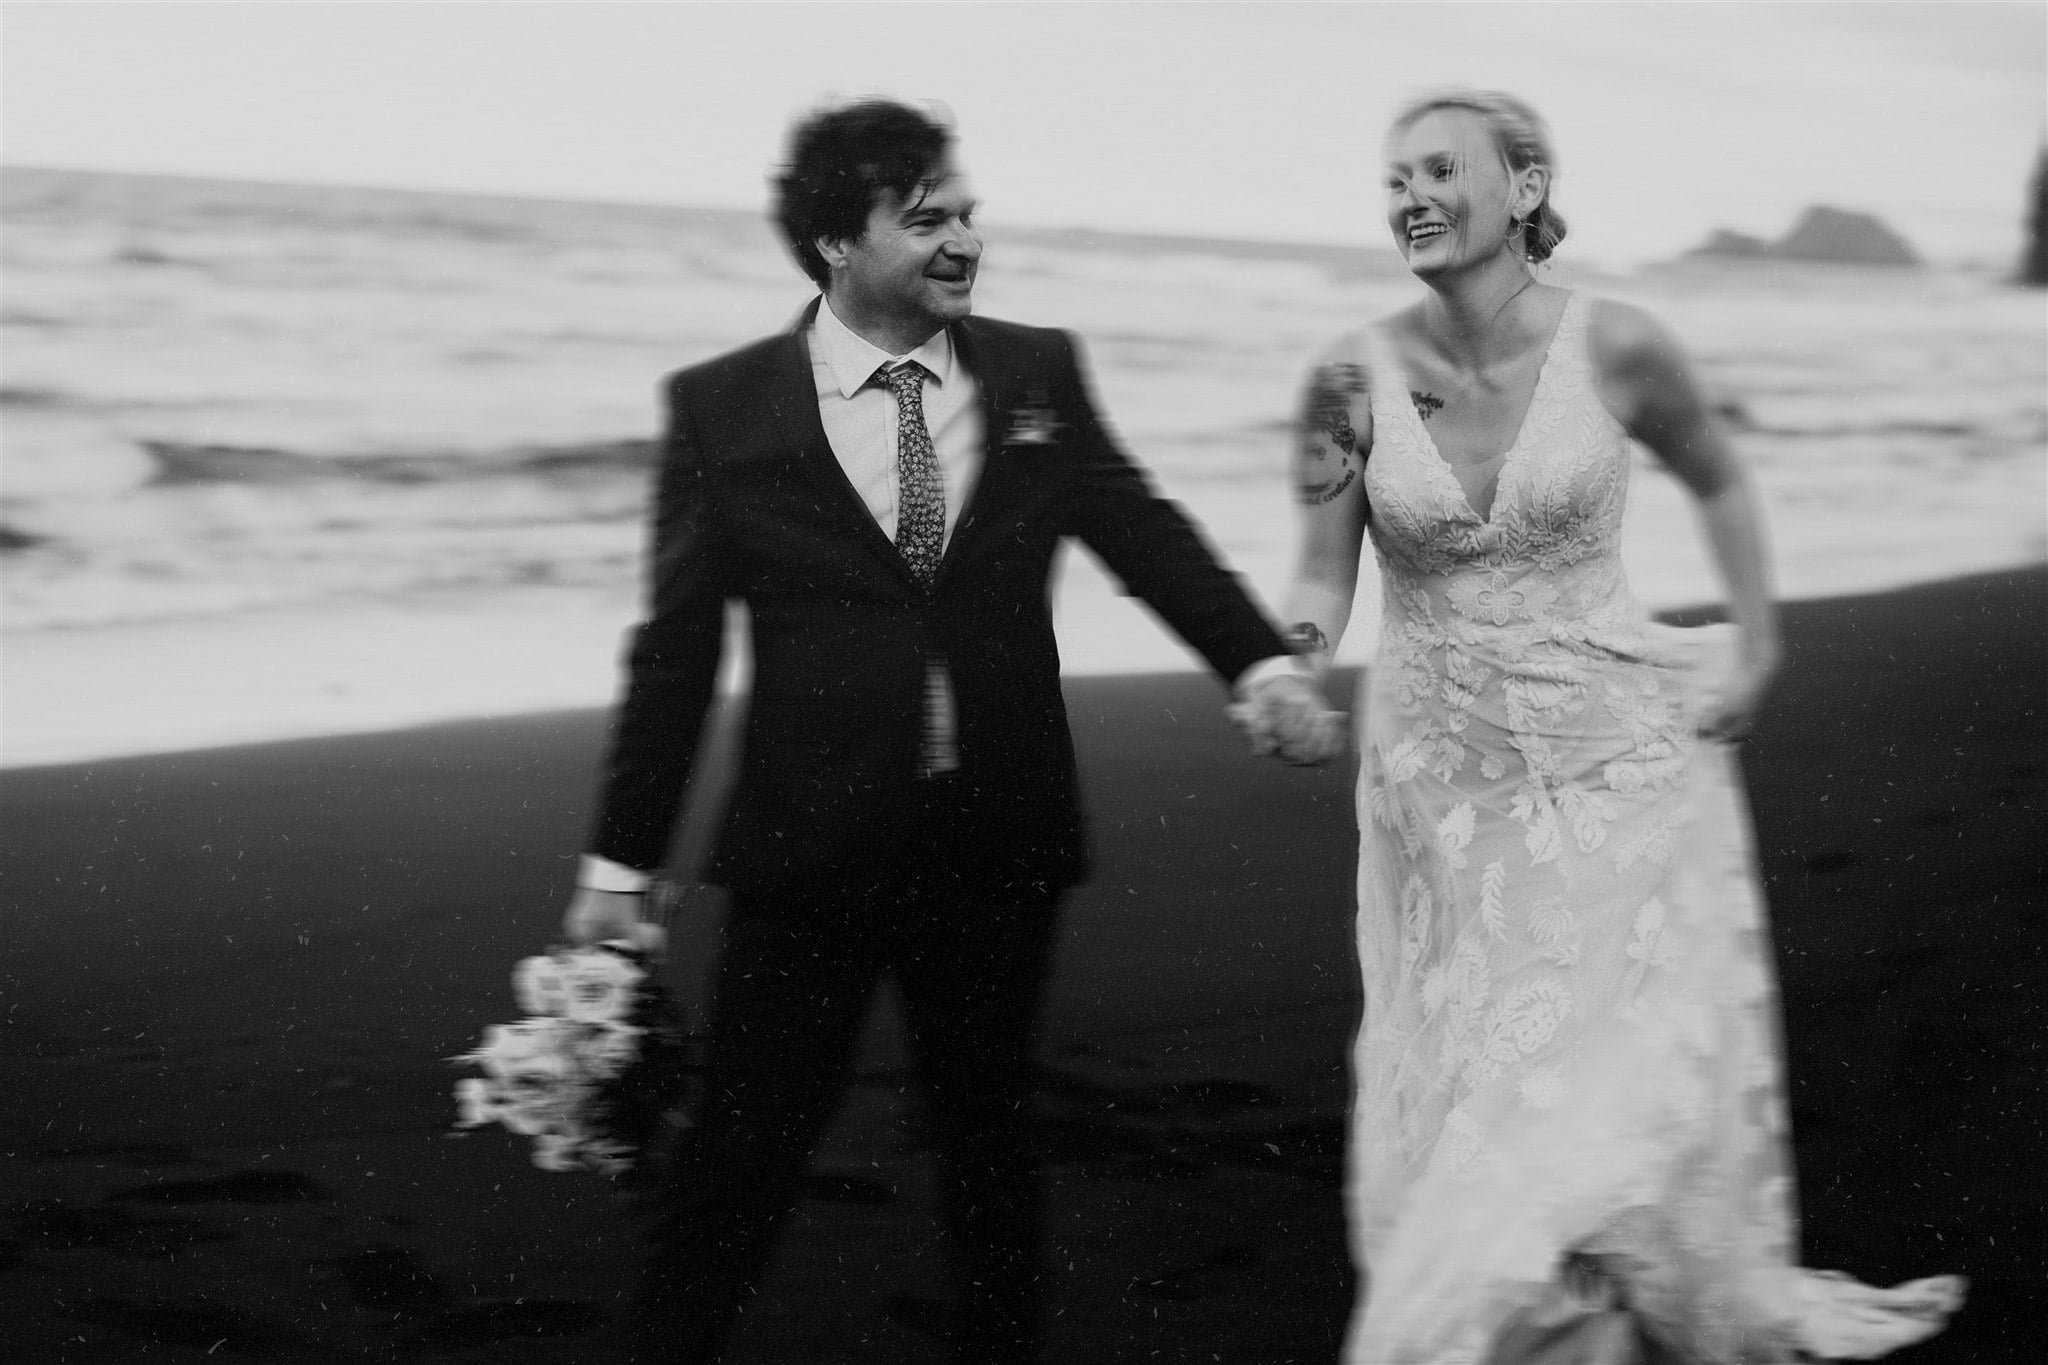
{"x":1328,"y":439}
{"x":1305,"y":637}
{"x":1316,"y":494}
{"x":1428,"y":404}
{"x":1329,"y":403}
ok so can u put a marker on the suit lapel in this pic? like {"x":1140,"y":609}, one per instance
{"x":995,"y":374}
{"x":793,"y":398}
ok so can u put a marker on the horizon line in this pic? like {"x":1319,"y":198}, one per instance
{"x":760,"y":214}
{"x":1329,"y":251}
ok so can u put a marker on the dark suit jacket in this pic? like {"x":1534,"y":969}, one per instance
{"x":753,"y":505}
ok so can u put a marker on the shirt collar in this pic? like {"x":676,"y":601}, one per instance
{"x":852,"y":360}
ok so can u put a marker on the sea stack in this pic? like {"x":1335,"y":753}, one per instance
{"x":2034,"y":264}
{"x":1838,"y":236}
{"x":1725,"y":242}
{"x":1825,"y":234}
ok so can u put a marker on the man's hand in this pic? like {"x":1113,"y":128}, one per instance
{"x":598,"y":916}
{"x":1286,"y":715}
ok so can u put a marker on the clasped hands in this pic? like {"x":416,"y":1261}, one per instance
{"x":1286,"y":715}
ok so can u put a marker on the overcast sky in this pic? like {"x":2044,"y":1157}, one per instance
{"x":1228,"y":119}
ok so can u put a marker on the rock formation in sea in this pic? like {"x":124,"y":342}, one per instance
{"x":1843,"y":236}
{"x":1825,"y":234}
{"x":2034,"y":263}
{"x":1724,"y":242}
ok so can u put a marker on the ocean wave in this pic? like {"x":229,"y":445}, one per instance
{"x":187,"y":462}
{"x":34,"y":398}
{"x":1838,"y":430}
{"x":63,"y":582}
{"x":31,"y":396}
{"x":144,"y":254}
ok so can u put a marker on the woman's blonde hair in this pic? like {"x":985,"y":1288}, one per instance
{"x":1523,"y":140}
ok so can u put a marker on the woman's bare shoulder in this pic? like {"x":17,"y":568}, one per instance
{"x":1349,"y":356}
{"x":1644,"y":375}
{"x":1624,"y":338}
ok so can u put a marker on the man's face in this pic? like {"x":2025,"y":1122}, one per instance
{"x":912,"y":271}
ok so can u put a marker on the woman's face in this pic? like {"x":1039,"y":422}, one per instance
{"x":1450,"y":196}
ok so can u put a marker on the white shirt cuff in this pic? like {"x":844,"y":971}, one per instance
{"x":1265,"y":670}
{"x":602,"y":874}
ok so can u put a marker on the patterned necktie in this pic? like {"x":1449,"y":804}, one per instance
{"x":920,"y":539}
{"x":920,"y":496}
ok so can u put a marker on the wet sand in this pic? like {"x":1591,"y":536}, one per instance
{"x":231,"y":976}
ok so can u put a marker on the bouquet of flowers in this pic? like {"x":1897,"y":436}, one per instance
{"x":594,"y":1071}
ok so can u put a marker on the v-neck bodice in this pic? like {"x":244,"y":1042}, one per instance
{"x":1501,"y":463}
{"x":1558,"y":493}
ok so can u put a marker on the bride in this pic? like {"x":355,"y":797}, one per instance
{"x":1569,"y":1139}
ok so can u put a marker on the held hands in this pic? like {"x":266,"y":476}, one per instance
{"x":599,"y":916}
{"x":1286,"y":715}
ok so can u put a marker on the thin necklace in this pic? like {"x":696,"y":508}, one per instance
{"x":1508,"y":302}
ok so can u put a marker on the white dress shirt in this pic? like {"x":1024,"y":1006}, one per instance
{"x":860,"y":417}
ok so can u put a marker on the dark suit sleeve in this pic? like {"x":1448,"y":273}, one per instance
{"x":672,"y":664}
{"x":1151,"y":545}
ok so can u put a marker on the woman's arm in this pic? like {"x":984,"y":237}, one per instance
{"x":1333,"y":436}
{"x":1649,"y":386}
{"x":1276,"y":708}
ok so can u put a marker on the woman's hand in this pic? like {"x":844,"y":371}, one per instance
{"x":1648,"y":386}
{"x":1729,"y":714}
{"x":1286,"y":715}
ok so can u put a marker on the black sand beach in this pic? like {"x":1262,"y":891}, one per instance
{"x":231,"y":978}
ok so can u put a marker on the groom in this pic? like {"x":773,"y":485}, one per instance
{"x":884,"y":487}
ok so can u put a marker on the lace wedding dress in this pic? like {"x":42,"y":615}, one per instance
{"x":1569,"y":1111}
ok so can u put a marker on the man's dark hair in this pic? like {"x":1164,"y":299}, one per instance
{"x":840,"y":162}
